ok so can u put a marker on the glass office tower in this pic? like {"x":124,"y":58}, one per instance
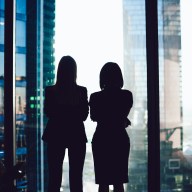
{"x":34,"y":29}
{"x":175,"y":162}
{"x":40,"y":73}
{"x":136,"y":80}
{"x":174,"y":134}
{"x":20,"y":82}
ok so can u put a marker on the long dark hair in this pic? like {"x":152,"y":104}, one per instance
{"x":66,"y":72}
{"x":66,"y":81}
{"x":111,"y":76}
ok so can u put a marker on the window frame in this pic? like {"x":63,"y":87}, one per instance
{"x":153,"y":95}
{"x":9,"y":85}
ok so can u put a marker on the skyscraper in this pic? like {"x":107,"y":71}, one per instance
{"x":40,"y":73}
{"x":34,"y":29}
{"x":135,"y":78}
{"x":170,"y":63}
{"x":20,"y":82}
{"x":169,"y":76}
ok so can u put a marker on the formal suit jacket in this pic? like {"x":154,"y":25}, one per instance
{"x":110,"y":108}
{"x":66,"y":110}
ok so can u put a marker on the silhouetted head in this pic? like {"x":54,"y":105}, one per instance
{"x":111,"y":76}
{"x":67,"y":71}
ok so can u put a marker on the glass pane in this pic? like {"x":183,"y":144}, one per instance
{"x":175,"y":96}
{"x":21,"y":6}
{"x":21,"y":66}
{"x":20,"y":33}
{"x":2,"y":5}
{"x":20,"y":93}
{"x":117,"y":36}
{"x":37,"y":72}
{"x":1,"y":106}
{"x":34,"y":70}
{"x":92,"y":37}
{"x":1,"y":31}
{"x":1,"y":87}
{"x":136,"y":81}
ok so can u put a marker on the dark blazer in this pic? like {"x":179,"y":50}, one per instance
{"x":110,"y":108}
{"x":66,"y":114}
{"x":110,"y":144}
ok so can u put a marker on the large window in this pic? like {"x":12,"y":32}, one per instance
{"x":175,"y":105}
{"x":136,"y":80}
{"x":117,"y":36}
{"x":33,"y":69}
{"x":1,"y":81}
{"x":20,"y":90}
{"x":95,"y":33}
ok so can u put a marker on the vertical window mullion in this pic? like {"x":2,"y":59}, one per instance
{"x":9,"y":84}
{"x":153,"y":96}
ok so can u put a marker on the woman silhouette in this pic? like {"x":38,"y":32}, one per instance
{"x":66,"y":106}
{"x":110,"y":145}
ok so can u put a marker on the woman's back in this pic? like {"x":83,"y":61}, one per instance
{"x":66,"y":113}
{"x":110,"y":108}
{"x":66,"y":104}
{"x":66,"y":107}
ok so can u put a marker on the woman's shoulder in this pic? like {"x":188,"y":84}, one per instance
{"x":50,"y":88}
{"x":128,"y":96}
{"x":82,"y":88}
{"x":96,"y":96}
{"x":126,"y":91}
{"x":97,"y":93}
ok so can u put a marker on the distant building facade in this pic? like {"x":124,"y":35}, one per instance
{"x":35,"y":65}
{"x":40,"y":73}
{"x":170,"y":90}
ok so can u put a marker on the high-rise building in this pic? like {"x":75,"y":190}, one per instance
{"x":34,"y":31}
{"x":40,"y":73}
{"x":20,"y":82}
{"x":135,"y":79}
{"x":170,"y":63}
{"x":169,"y":34}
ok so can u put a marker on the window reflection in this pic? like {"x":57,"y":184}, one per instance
{"x":21,"y":65}
{"x":40,"y":67}
{"x":1,"y":81}
{"x":20,"y":90}
{"x":1,"y":66}
{"x":21,"y":6}
{"x":2,"y":30}
{"x":2,"y":5}
{"x":20,"y":33}
{"x":1,"y":119}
